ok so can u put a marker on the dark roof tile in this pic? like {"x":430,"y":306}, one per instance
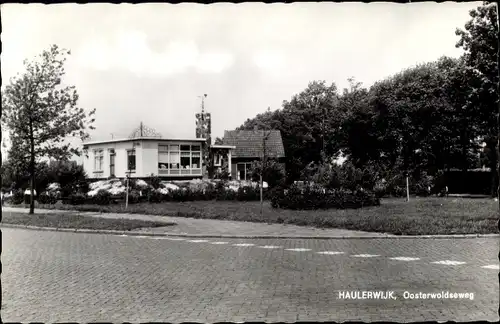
{"x":249,"y":143}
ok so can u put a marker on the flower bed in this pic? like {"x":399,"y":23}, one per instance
{"x":114,"y":190}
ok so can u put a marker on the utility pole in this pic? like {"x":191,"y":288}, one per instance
{"x":263,"y":163}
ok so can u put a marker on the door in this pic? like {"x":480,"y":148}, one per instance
{"x":112,"y":164}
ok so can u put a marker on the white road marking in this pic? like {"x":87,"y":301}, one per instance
{"x":330,"y":252}
{"x":449,"y":262}
{"x":492,"y":266}
{"x":198,"y":241}
{"x":298,"y":250}
{"x":244,"y":244}
{"x":218,"y":243}
{"x":174,"y":238}
{"x":365,"y":255}
{"x":142,"y":236}
{"x":404,"y":259}
{"x":269,"y":247}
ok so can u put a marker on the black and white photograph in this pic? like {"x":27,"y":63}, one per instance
{"x":250,"y":162}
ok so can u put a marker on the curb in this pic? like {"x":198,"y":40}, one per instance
{"x":138,"y":233}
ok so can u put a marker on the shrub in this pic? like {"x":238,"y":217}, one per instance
{"x":103,"y":197}
{"x":248,"y":193}
{"x":17,"y":197}
{"x":274,"y":173}
{"x":155,"y":182}
{"x":154,"y":196}
{"x":46,"y":198}
{"x":77,"y":199}
{"x":225,"y":194}
{"x":315,"y":197}
{"x":182,"y":195}
{"x":134,"y":197}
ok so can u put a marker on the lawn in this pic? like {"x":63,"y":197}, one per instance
{"x":68,"y":220}
{"x":420,"y":216}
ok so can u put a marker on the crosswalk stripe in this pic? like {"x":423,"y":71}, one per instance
{"x":330,"y":252}
{"x":198,"y":241}
{"x":448,"y":262}
{"x":244,"y":244}
{"x":269,"y":247}
{"x":492,"y":266}
{"x":219,"y":243}
{"x":365,"y":255}
{"x":298,"y":250}
{"x":404,"y":259}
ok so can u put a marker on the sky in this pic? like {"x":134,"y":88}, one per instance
{"x":153,"y":62}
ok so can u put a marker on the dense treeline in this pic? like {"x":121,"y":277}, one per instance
{"x":426,"y":119}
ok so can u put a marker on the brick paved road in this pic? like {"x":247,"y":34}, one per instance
{"x":53,"y":276}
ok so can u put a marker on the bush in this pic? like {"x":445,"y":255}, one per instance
{"x":103,"y":197}
{"x":154,"y":196}
{"x":225,"y":194}
{"x":17,"y":197}
{"x":315,"y":197}
{"x":155,"y":182}
{"x":248,"y":193}
{"x":46,"y":198}
{"x":77,"y":199}
{"x":134,"y":197}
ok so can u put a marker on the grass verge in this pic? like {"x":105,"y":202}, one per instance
{"x":420,"y":216}
{"x":64,"y":220}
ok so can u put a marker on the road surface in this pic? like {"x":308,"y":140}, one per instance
{"x":56,"y":277}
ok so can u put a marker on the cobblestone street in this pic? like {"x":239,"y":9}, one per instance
{"x":51,"y":276}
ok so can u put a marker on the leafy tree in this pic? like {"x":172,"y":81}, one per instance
{"x":309,"y":124}
{"x":479,"y":41}
{"x":41,"y":113}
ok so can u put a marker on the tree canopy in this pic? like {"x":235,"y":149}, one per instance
{"x":41,"y":113}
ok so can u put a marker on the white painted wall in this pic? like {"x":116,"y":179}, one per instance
{"x":149,"y":158}
{"x":146,"y":154}
{"x":120,"y":159}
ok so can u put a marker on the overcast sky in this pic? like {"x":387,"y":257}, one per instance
{"x":150,"y":62}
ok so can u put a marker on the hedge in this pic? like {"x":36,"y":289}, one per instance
{"x":312,"y":198}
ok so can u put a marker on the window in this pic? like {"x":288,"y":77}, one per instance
{"x":195,"y":160}
{"x":163,"y":160}
{"x":112,"y":162}
{"x":175,"y":160}
{"x":217,"y":160}
{"x":179,"y":159}
{"x":185,"y":160}
{"x":243,"y":171}
{"x":98,"y":160}
{"x":131,"y":160}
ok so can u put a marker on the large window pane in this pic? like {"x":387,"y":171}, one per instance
{"x":162,"y":148}
{"x":185,"y":160}
{"x":195,"y":148}
{"x":174,"y":160}
{"x":163,"y":160}
{"x":240,"y":168}
{"x":174,"y":147}
{"x":98,"y":160}
{"x":131,"y":160}
{"x":185,"y":148}
{"x":195,"y":162}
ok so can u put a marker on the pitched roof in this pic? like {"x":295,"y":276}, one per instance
{"x":249,"y":143}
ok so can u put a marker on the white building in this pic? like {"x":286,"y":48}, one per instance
{"x":143,"y":157}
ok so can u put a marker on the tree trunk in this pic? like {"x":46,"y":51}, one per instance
{"x":32,"y":174}
{"x":493,"y":168}
{"x":464,"y":161}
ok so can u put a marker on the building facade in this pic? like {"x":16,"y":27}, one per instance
{"x":144,"y":157}
{"x":145,"y":154}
